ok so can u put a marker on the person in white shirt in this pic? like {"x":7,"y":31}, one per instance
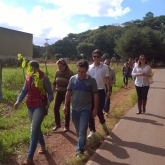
{"x":142,"y":72}
{"x":100,"y":72}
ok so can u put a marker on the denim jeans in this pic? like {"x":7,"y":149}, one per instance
{"x":36,"y":116}
{"x":80,"y":120}
{"x":107,"y":105}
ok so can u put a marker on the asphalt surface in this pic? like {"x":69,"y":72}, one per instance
{"x":138,"y":139}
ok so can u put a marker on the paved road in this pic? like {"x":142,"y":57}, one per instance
{"x":138,"y":139}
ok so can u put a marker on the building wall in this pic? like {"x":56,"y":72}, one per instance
{"x":14,"y":42}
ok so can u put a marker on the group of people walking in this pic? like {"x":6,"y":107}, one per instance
{"x":87,"y":92}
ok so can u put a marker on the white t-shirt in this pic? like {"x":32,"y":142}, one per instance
{"x":99,"y":73}
{"x":141,"y":80}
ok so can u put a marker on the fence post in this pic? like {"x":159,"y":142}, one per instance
{"x":0,"y":80}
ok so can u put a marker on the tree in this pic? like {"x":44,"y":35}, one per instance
{"x":36,"y":52}
{"x":86,"y":49}
{"x":106,"y":56}
{"x":138,"y":41}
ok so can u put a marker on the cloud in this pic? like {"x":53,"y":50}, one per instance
{"x":144,"y":1}
{"x":55,"y":22}
{"x":83,"y":26}
{"x":93,"y":8}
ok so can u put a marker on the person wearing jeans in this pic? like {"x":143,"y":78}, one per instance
{"x":60,"y":84}
{"x":80,"y":120}
{"x":143,"y":73}
{"x":83,"y":90}
{"x":38,"y":101}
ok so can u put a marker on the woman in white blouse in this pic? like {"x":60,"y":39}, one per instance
{"x":142,"y":72}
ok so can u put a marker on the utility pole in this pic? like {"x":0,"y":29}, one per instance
{"x":46,"y":44}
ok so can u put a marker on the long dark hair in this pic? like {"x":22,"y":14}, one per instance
{"x":139,"y":61}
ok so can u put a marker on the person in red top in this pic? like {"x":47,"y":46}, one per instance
{"x":38,"y":99}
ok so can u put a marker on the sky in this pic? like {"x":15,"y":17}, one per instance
{"x":54,"y":19}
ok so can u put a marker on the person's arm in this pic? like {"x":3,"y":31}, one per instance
{"x":21,"y":96}
{"x":149,"y":74}
{"x":95,"y":97}
{"x":68,"y":96}
{"x":48,"y":88}
{"x":134,"y":72}
{"x":96,"y":101}
{"x":107,"y":74}
{"x":54,"y":83}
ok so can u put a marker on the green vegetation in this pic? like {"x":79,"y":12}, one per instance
{"x":14,"y":125}
{"x":127,"y":40}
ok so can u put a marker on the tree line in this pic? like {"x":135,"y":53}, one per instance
{"x":128,"y":40}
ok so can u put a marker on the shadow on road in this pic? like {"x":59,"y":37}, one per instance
{"x":156,"y":87}
{"x":143,"y":120}
{"x":116,"y":150}
{"x":68,"y":135}
{"x":49,"y":158}
{"x":103,"y":161}
{"x":159,"y":81}
{"x":150,"y":114}
{"x":135,"y":145}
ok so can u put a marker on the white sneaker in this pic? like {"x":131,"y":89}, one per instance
{"x":90,"y":134}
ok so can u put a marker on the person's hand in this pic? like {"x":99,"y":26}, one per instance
{"x":48,"y":105}
{"x":16,"y":105}
{"x":145,"y":75}
{"x":65,"y":109}
{"x":94,"y":112}
{"x":108,"y":95}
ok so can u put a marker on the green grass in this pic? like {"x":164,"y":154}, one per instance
{"x":14,"y":124}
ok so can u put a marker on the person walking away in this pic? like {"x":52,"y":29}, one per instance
{"x":39,"y":93}
{"x":126,"y":73}
{"x":112,"y":77}
{"x":100,"y":72}
{"x":60,"y":84}
{"x":82,"y":87}
{"x":143,"y":73}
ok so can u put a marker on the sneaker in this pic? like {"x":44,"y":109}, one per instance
{"x":79,"y":154}
{"x":90,"y":134}
{"x":105,"y":129}
{"x":55,"y":128}
{"x":28,"y":161}
{"x":41,"y":150}
{"x":65,"y":129}
{"x":106,"y":114}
